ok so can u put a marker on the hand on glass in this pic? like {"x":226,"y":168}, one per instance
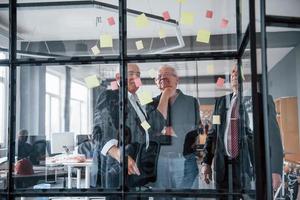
{"x":206,"y":173}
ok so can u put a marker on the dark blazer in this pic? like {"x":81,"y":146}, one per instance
{"x":214,"y":145}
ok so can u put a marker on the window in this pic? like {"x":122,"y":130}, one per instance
{"x":79,"y":108}
{"x":53,"y":102}
{"x":3,"y":103}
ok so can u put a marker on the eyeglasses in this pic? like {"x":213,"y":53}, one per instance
{"x":132,"y":73}
{"x":166,"y":75}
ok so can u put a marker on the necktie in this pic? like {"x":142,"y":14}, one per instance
{"x":234,"y":128}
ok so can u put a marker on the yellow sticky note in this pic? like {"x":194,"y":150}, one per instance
{"x":181,"y":1}
{"x":203,"y":36}
{"x":187,"y":18}
{"x":152,"y":73}
{"x":106,"y":41}
{"x":141,"y":21}
{"x":145,"y":125}
{"x":139,"y":45}
{"x":95,"y":50}
{"x":92,"y":81}
{"x":145,"y":97}
{"x":210,"y":69}
{"x":162,"y":33}
{"x":216,"y":119}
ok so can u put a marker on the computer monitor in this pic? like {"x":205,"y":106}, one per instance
{"x":61,"y":140}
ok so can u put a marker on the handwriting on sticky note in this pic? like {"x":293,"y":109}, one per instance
{"x":144,"y":96}
{"x":92,"y":81}
{"x":187,"y":18}
{"x":166,"y":15}
{"x":141,"y":21}
{"x":216,"y":119}
{"x":145,"y":125}
{"x":137,"y":82}
{"x":162,"y":33}
{"x":139,"y":45}
{"x":106,"y":41}
{"x":111,"y":21}
{"x":224,"y":23}
{"x":203,"y":36}
{"x":152,"y":73}
{"x":114,"y":85}
{"x":209,"y":14}
{"x":95,"y":50}
{"x":220,"y":82}
{"x":210,"y":69}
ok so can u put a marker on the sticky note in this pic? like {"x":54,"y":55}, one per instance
{"x":166,"y":15}
{"x":162,"y":33}
{"x":95,"y":50}
{"x":242,"y":72}
{"x":145,"y":97}
{"x":187,"y":18}
{"x":209,"y":14}
{"x":111,"y":21}
{"x":145,"y":125}
{"x":106,"y":41}
{"x":220,"y":82}
{"x":114,"y":85}
{"x":138,"y":82}
{"x":141,"y":21}
{"x":181,"y":1}
{"x":203,"y":36}
{"x":216,"y":119}
{"x":210,"y":69}
{"x":152,"y":73}
{"x":139,"y":45}
{"x":92,"y":81}
{"x":224,"y":23}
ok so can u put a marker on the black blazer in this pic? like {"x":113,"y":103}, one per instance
{"x":215,"y":147}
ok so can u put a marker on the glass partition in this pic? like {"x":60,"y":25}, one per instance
{"x":4,"y":30}
{"x":279,"y":8}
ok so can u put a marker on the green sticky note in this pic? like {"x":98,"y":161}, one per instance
{"x":145,"y":125}
{"x":106,"y":41}
{"x":144,"y":96}
{"x":187,"y":18}
{"x":141,"y":21}
{"x":181,"y":1}
{"x":92,"y":81}
{"x":203,"y":36}
{"x":162,"y":33}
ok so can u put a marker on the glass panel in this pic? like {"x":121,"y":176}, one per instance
{"x":180,"y":26}
{"x":57,"y":134}
{"x":44,"y":186}
{"x":244,"y":4}
{"x":283,"y":74}
{"x":92,"y":31}
{"x":4,"y":30}
{"x":4,"y":90}
{"x":277,"y":7}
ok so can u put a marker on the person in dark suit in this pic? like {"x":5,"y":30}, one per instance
{"x":230,"y":146}
{"x":107,"y":118}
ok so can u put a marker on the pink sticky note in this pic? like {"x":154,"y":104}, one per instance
{"x":209,"y":14}
{"x":138,"y":82}
{"x":220,"y":82}
{"x":111,"y":21}
{"x":166,"y":15}
{"x":224,"y":23}
{"x":114,"y":85}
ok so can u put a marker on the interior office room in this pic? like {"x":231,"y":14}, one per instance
{"x":72,"y":128}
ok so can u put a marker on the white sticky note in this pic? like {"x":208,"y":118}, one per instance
{"x":187,"y":18}
{"x":92,"y":81}
{"x":162,"y":33}
{"x":144,"y":96}
{"x":152,"y":73}
{"x":145,"y":125}
{"x":106,"y":41}
{"x":216,"y":119}
{"x":141,"y":21}
{"x":95,"y":50}
{"x":139,"y":45}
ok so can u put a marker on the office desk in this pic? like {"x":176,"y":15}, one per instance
{"x":86,"y":165}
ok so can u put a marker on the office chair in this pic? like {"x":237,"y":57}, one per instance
{"x":38,"y":152}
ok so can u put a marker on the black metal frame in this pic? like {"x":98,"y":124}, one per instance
{"x":261,"y":141}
